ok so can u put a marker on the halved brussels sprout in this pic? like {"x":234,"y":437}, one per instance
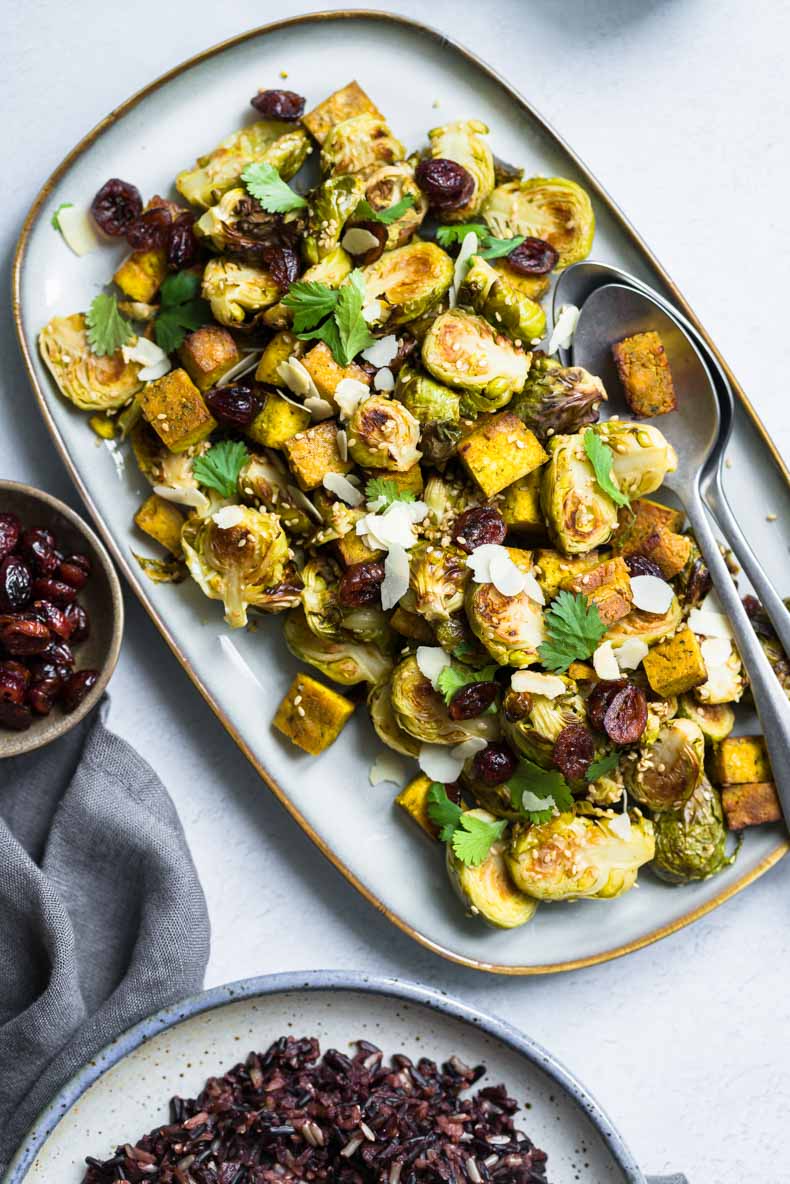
{"x":641,"y":455}
{"x":666,"y":772}
{"x":383,"y":434}
{"x":238,"y":565}
{"x":577,"y":855}
{"x":264,"y":481}
{"x":552,"y":208}
{"x":648,"y":627}
{"x":438,"y":577}
{"x":407,"y":281}
{"x":714,"y":720}
{"x":659,"y":711}
{"x":488,"y":890}
{"x":510,"y":627}
{"x":579,"y":515}
{"x":269,"y":140}
{"x":385,"y":186}
{"x":726,"y":680}
{"x":331,"y":206}
{"x":461,"y":141}
{"x":429,"y":401}
{"x":558,"y":400}
{"x":322,"y":612}
{"x":239,"y":225}
{"x":387,"y":728}
{"x":531,"y":723}
{"x":421,"y":711}
{"x":464,"y":351}
{"x":237,"y":292}
{"x":533,"y":286}
{"x":344,"y":661}
{"x":90,"y":382}
{"x":359,"y":143}
{"x":606,"y":790}
{"x":503,"y":306}
{"x":691,"y":842}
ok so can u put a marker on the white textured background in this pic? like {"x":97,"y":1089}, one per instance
{"x":682,"y":108}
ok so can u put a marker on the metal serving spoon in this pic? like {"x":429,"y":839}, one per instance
{"x":578,"y":282}
{"x":609,"y":314}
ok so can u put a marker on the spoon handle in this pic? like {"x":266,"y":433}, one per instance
{"x":773,"y":706}
{"x":755,"y":572}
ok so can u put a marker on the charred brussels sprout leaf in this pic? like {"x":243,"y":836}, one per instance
{"x":550,"y":208}
{"x":558,"y":400}
{"x":691,"y":842}
{"x":344,"y":660}
{"x":489,"y":293}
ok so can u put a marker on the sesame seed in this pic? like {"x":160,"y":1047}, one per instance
{"x":297,"y":700}
{"x":300,"y":711}
{"x":770,"y":517}
{"x":728,"y":462}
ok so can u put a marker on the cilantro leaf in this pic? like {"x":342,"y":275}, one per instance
{"x":310,"y":301}
{"x":601,"y":458}
{"x":64,"y":205}
{"x":326,"y":332}
{"x":219,"y":467}
{"x":265,"y":184}
{"x":449,"y":236}
{"x":178,"y":288}
{"x":441,"y":811}
{"x":385,"y":492}
{"x":365,"y":211}
{"x":451,"y":679}
{"x":535,"y":791}
{"x":602,"y":766}
{"x":473,"y":838}
{"x":107,"y":329}
{"x":181,"y":310}
{"x":352,"y":326}
{"x":495,"y":248}
{"x":573,"y":628}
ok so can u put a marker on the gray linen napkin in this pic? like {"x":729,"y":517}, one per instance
{"x":102,"y":917}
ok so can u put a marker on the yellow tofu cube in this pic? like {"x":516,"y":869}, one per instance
{"x":277,"y":421}
{"x":675,"y":665}
{"x":313,"y":453}
{"x":519,"y":506}
{"x":311,"y":715}
{"x":751,"y":804}
{"x":175,"y":409}
{"x":652,"y":532}
{"x":413,"y":798}
{"x":647,"y":512}
{"x":412,"y":625}
{"x":608,"y":586}
{"x":410,"y":480}
{"x":142,"y":274}
{"x":740,"y":760}
{"x":281,"y":347}
{"x":326,"y":373}
{"x":643,"y":367}
{"x":500,"y":451}
{"x":553,"y":570}
{"x":582,"y":672}
{"x":353,"y":549}
{"x":344,"y":104}
{"x":162,"y":521}
{"x":207,"y":354}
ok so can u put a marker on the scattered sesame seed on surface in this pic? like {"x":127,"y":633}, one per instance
{"x":770,"y":517}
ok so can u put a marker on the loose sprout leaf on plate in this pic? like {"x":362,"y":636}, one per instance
{"x":219,"y":468}
{"x":181,"y":310}
{"x":309,"y":301}
{"x":573,"y":629}
{"x":107,"y":329}
{"x":386,"y":492}
{"x":473,"y":838}
{"x":600,"y":768}
{"x":265,"y":184}
{"x":365,"y":211}
{"x":601,"y":458}
{"x":542,"y":784}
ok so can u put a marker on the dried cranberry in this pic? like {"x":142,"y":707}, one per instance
{"x":17,"y":716}
{"x":22,"y":634}
{"x":116,"y":206}
{"x":626,"y":716}
{"x":379,"y":231}
{"x":182,"y":244}
{"x":446,"y":184}
{"x":478,"y":525}
{"x":472,"y":700}
{"x":282,"y":263}
{"x":58,"y":652}
{"x":573,"y":751}
{"x":57,"y":590}
{"x":16,"y":583}
{"x":77,"y":687}
{"x":600,"y":697}
{"x":74,"y":570}
{"x":279,"y":104}
{"x":10,"y":531}
{"x":12,"y":682}
{"x":39,"y":548}
{"x":699,"y":583}
{"x":234,"y":406}
{"x":532,"y":257}
{"x":494,"y":764}
{"x":42,"y":668}
{"x":640,"y":565}
{"x":360,"y":584}
{"x":151,"y":230}
{"x":53,"y":616}
{"x":78,"y":619}
{"x":42,"y":695}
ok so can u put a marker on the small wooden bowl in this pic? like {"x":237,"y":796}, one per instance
{"x":101,"y":598}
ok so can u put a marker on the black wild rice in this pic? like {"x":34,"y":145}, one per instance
{"x":286,"y":1116}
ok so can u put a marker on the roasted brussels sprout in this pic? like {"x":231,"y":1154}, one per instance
{"x":344,"y":661}
{"x":90,"y":382}
{"x":421,"y":711}
{"x":407,"y":281}
{"x":239,"y":225}
{"x":641,"y":455}
{"x":666,"y":772}
{"x":269,"y":140}
{"x":438,"y":577}
{"x":726,"y":680}
{"x":462,"y":350}
{"x":487,"y":890}
{"x":237,"y":291}
{"x":332,"y":205}
{"x":648,"y":627}
{"x":387,"y":728}
{"x":388,"y":184}
{"x":264,"y":482}
{"x":552,"y":208}
{"x":576,"y":855}
{"x":510,"y":627}
{"x":659,"y":711}
{"x":768,"y":640}
{"x":691,"y":842}
{"x":322,"y":611}
{"x":428,"y":401}
{"x":531,"y":723}
{"x":503,"y":306}
{"x":533,"y":286}
{"x":383,"y":434}
{"x":237,"y":559}
{"x":362,"y":142}
{"x":558,"y":400}
{"x":715,"y":721}
{"x":462,"y":142}
{"x":446,"y":497}
{"x":579,"y":515}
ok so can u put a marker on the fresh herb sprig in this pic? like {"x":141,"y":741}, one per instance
{"x":603,"y":766}
{"x":536,"y":793}
{"x":601,"y":458}
{"x":452,"y":678}
{"x":470,"y":838}
{"x":181,"y":310}
{"x":107,"y":329}
{"x":366,"y":213}
{"x":489,"y":246}
{"x":331,"y":315}
{"x":219,"y":468}
{"x":573,"y":630}
{"x":384,"y":492}
{"x":264,"y":183}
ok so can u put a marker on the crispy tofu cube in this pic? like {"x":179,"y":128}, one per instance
{"x":344,"y":104}
{"x":412,"y":625}
{"x":413,"y":798}
{"x":647,"y":512}
{"x":608,"y":586}
{"x":652,"y":532}
{"x":553,"y":569}
{"x":162,"y":521}
{"x":410,"y":480}
{"x":675,"y":665}
{"x":643,"y":367}
{"x":750,"y":804}
{"x":500,"y":451}
{"x":281,"y":347}
{"x":582,"y":672}
{"x":311,"y":715}
{"x":351,"y":547}
{"x":739,"y":760}
{"x":521,"y":558}
{"x":313,"y":452}
{"x":326,"y":373}
{"x":207,"y":354}
{"x":142,"y":274}
{"x":519,"y":506}
{"x":175,"y":409}
{"x":277,"y":421}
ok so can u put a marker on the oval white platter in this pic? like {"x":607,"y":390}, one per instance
{"x":148,"y":140}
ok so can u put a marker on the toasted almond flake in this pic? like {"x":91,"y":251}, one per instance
{"x":716,"y":651}
{"x":431,"y":661}
{"x":228,"y":517}
{"x":605,"y":663}
{"x":469,"y":247}
{"x":341,"y":486}
{"x":531,"y":801}
{"x":506,"y":577}
{"x":396,"y":577}
{"x":248,"y":361}
{"x":358,"y":241}
{"x":469,"y":747}
{"x":630,"y":653}
{"x":384,"y":380}
{"x":342,"y":443}
{"x":349,"y":393}
{"x":77,"y":230}
{"x":319,"y":408}
{"x":153,"y":361}
{"x":297,"y":378}
{"x":621,"y":825}
{"x":389,"y":766}
{"x":440,"y":763}
{"x":532,"y":682}
{"x":382,"y":352}
{"x":651,"y":594}
{"x":533,"y":589}
{"x":564,"y":328}
{"x":301,"y":500}
{"x":709,"y":624}
{"x":372,"y":310}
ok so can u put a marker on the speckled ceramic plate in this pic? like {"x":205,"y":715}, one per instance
{"x":148,"y":139}
{"x":125,"y":1091}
